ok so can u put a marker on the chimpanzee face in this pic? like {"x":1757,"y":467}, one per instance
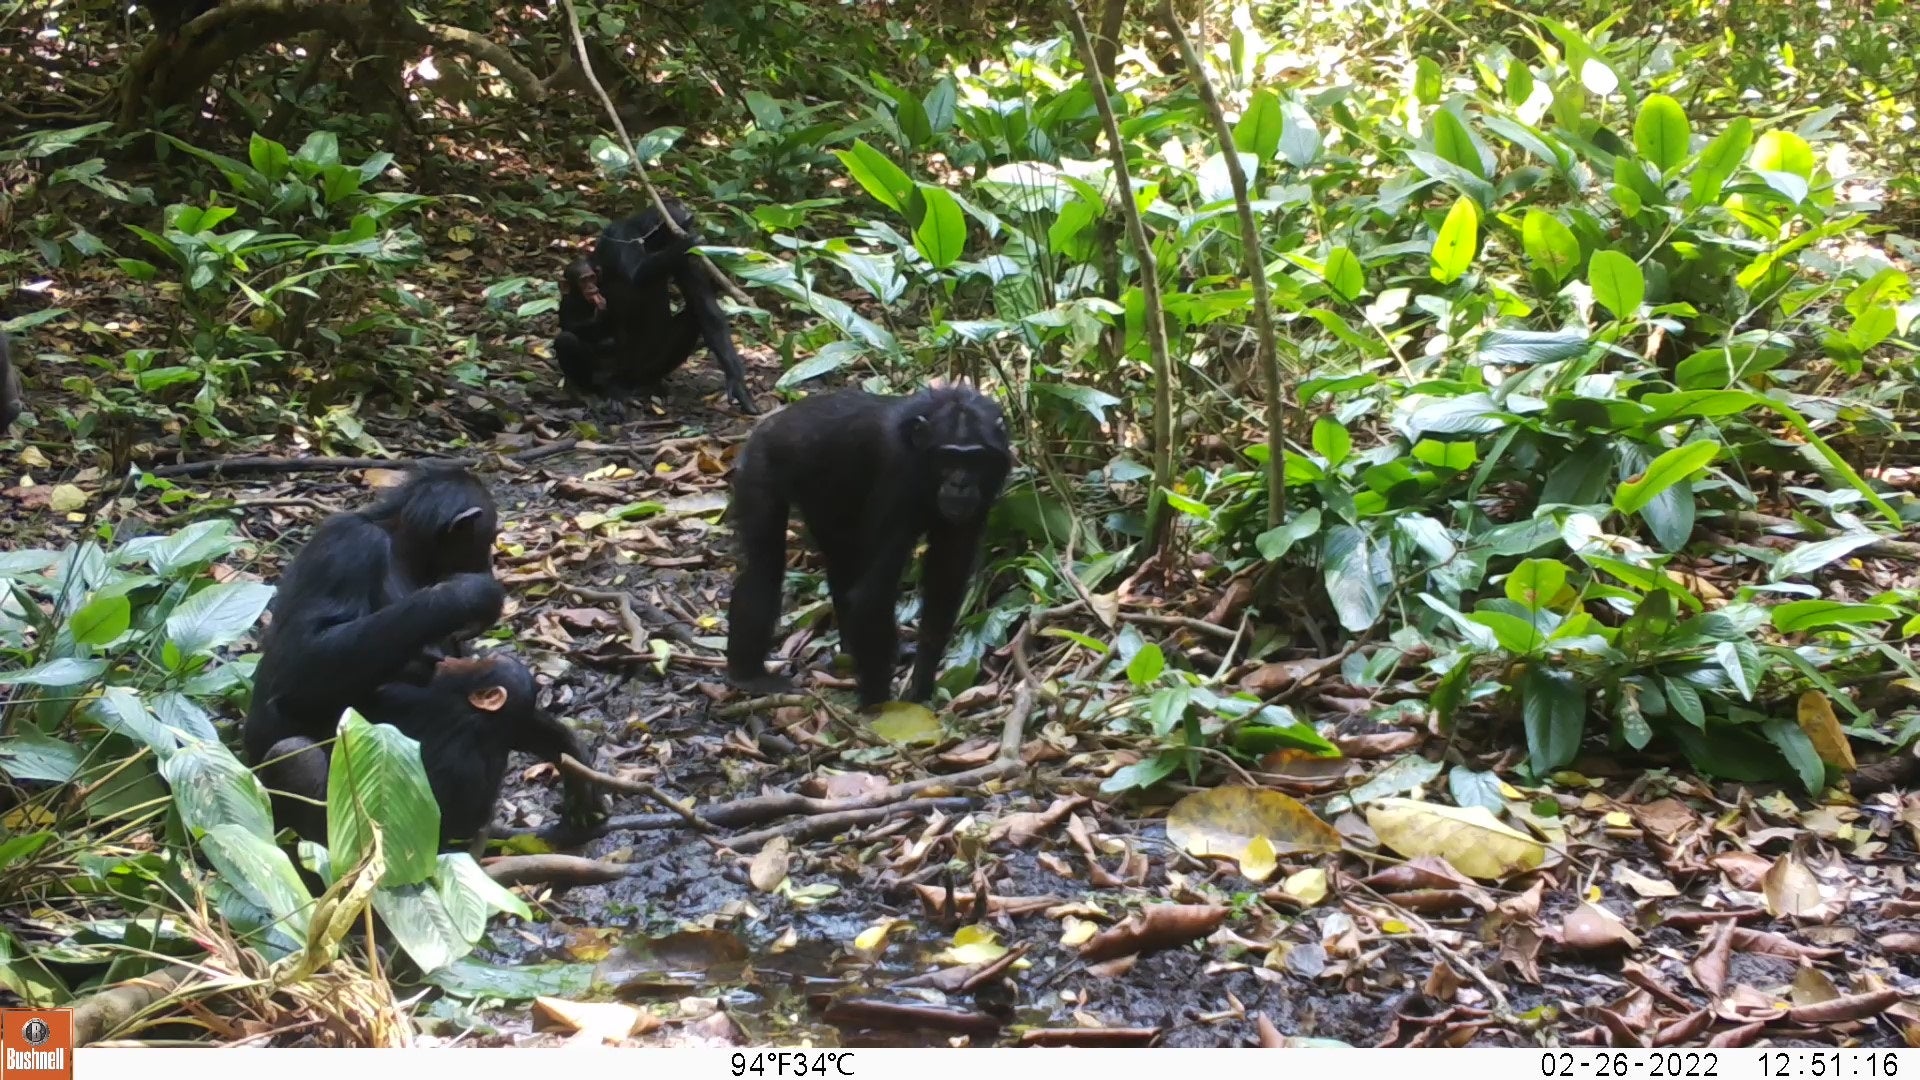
{"x":584,"y":280}
{"x":965,"y":441}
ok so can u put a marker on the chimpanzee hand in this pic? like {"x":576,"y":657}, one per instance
{"x":478,"y":598}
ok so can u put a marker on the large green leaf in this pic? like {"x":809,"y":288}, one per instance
{"x":1344,"y":272}
{"x":881,"y":178}
{"x":260,"y":872}
{"x":1549,"y":244}
{"x":56,"y":674}
{"x":1798,"y":615}
{"x":1554,"y":708}
{"x":1677,"y":464}
{"x":1808,"y":558}
{"x":1617,"y":282}
{"x":217,"y":615}
{"x":1358,"y":574}
{"x":1661,"y":132}
{"x":376,"y":779}
{"x":211,"y":788}
{"x":941,"y":234}
{"x":1452,"y":142}
{"x":1459,"y":236}
{"x":1258,"y":132}
{"x":102,"y":620}
{"x":1783,"y":152}
{"x":1719,"y":161}
{"x":418,"y":919}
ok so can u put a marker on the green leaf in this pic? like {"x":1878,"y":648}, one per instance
{"x":376,"y":780}
{"x":1344,"y":272}
{"x":1331,"y":441}
{"x":1525,"y":347}
{"x":1875,"y":325}
{"x":940,"y":105}
{"x":268,"y":157}
{"x":56,"y":674}
{"x":1783,"y":152}
{"x":1549,"y":245}
{"x":1661,"y":132}
{"x":1798,"y":749}
{"x":1452,"y":456}
{"x":1454,"y":247}
{"x":101,"y":621}
{"x":1554,"y":708}
{"x":1453,"y":143}
{"x":1808,"y":558}
{"x":1617,"y":282}
{"x":1277,"y":541}
{"x":1677,"y":464}
{"x":1146,"y":665}
{"x":881,"y":178}
{"x":420,"y":922}
{"x":1258,"y":132}
{"x":1519,"y":82}
{"x":1141,"y":774}
{"x":941,"y":235}
{"x":1798,"y":615}
{"x":1535,"y":582}
{"x":1511,"y":632}
{"x":217,"y":615}
{"x":1167,"y":708}
{"x":1357,"y":575}
{"x":911,"y":115}
{"x":1428,"y":80}
{"x":1719,"y":161}
{"x":1685,"y":700}
{"x":212,"y":788}
{"x":260,"y":872}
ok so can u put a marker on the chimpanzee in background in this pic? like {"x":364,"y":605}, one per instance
{"x":618,"y":330}
{"x":871,"y":475}
{"x":374,"y":603}
{"x":9,"y":387}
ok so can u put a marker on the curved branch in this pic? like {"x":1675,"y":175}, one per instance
{"x":459,"y":39}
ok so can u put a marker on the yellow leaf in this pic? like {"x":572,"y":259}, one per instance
{"x":1257,"y":861}
{"x":905,"y":722}
{"x":1395,"y":926}
{"x":974,"y":944}
{"x":1619,"y":819}
{"x":874,"y":938}
{"x":769,"y":866}
{"x":1226,"y":821}
{"x":1470,"y":839}
{"x":66,"y":498}
{"x":1824,"y":731}
{"x":1509,"y":792}
{"x":1075,"y":931}
{"x":1307,"y":886}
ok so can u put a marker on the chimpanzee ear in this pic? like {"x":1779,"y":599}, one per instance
{"x":464,"y":520}
{"x":488,"y":698}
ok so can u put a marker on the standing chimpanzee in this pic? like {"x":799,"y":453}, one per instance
{"x":365,"y":617}
{"x":9,"y":387}
{"x":871,"y":475}
{"x":618,"y":330}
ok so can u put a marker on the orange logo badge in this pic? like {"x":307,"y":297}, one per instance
{"x":38,"y":1044}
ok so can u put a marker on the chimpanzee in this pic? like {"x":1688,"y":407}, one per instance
{"x":618,"y":330}
{"x":467,"y":718}
{"x":871,"y":475}
{"x":9,"y":387}
{"x":374,"y":603}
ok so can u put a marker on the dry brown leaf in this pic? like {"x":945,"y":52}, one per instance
{"x":841,"y":785}
{"x":1645,"y":887}
{"x":593,"y":1021}
{"x":1709,"y":969}
{"x":769,"y":866}
{"x":1744,"y":870}
{"x":1591,"y":928}
{"x":1824,"y":731}
{"x":1842,"y":1010}
{"x":1471,"y":839}
{"x":1155,"y":927}
{"x":1269,"y":679}
{"x":1791,"y":890}
{"x":1027,"y":826}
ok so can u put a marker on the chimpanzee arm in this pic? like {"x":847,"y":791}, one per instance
{"x":944,"y":574}
{"x":704,"y":302}
{"x":645,"y":260}
{"x":347,"y":650}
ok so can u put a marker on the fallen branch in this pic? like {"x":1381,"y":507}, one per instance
{"x":573,"y":767}
{"x":223,"y":466}
{"x":827,"y":824}
{"x":99,"y":1015}
{"x":563,"y":871}
{"x":1170,"y":622}
{"x":669,"y":626}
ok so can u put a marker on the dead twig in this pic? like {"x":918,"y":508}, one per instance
{"x":219,"y":467}
{"x":557,"y":870}
{"x":828,"y":824}
{"x":574,"y":767}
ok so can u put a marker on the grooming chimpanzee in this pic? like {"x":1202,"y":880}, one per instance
{"x":618,"y":330}
{"x":871,"y":475}
{"x":9,"y":387}
{"x":365,"y":617}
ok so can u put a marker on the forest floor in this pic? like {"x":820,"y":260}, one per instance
{"x":1651,"y":925}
